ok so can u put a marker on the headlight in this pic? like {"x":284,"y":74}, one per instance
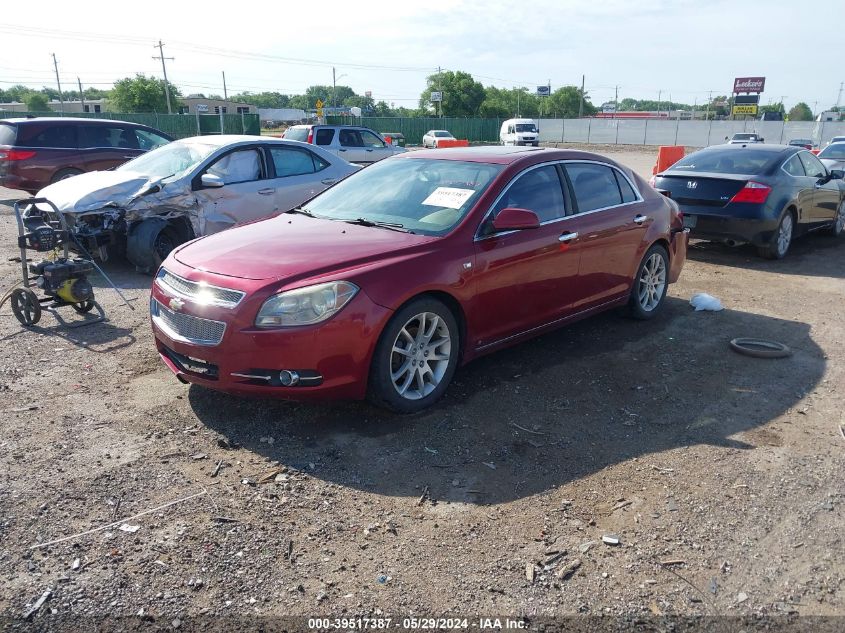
{"x":305,"y":306}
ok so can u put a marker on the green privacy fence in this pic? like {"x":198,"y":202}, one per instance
{"x":176,"y":125}
{"x":473,"y":130}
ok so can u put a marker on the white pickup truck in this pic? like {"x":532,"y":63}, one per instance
{"x":354,"y":144}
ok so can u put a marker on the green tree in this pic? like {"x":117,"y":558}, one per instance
{"x":16,"y":93}
{"x":36,"y":102}
{"x":801,"y":112}
{"x":142,"y":94}
{"x":508,"y":102}
{"x":358,"y":101}
{"x":565,"y":103}
{"x":462,"y":95}
{"x":264,"y":99}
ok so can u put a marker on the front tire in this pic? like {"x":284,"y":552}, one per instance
{"x":781,"y":240}
{"x":416,"y":357}
{"x":648,"y":293}
{"x":838,"y":225}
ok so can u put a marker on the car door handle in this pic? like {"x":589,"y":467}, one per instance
{"x":639,"y":219}
{"x":567,"y":237}
{"x":341,"y":150}
{"x":266,"y":192}
{"x":369,"y":150}
{"x":329,"y":181}
{"x":129,"y":156}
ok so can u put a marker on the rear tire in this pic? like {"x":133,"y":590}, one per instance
{"x":415,"y":357}
{"x":65,"y":173}
{"x":648,"y":293}
{"x":781,"y":239}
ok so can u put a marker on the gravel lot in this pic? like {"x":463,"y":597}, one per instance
{"x":721,"y":475}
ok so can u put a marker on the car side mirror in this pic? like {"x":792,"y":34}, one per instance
{"x":762,"y":139}
{"x":513,"y":219}
{"x":211,"y":181}
{"x":837,"y":174}
{"x":727,"y":139}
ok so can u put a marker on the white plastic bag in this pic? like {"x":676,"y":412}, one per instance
{"x":704,"y":301}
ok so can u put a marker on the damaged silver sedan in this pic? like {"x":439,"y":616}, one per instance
{"x":189,"y":188}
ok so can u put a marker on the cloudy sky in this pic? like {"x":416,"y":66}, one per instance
{"x":683,"y":48}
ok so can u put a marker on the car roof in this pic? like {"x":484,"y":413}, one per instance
{"x":502,"y":154}
{"x":757,"y":147}
{"x":219,"y":140}
{"x":67,"y":119}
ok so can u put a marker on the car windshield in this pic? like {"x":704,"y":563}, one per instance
{"x":727,"y":161}
{"x":442,"y":134}
{"x":426,"y":196}
{"x":525,"y":127}
{"x":836,"y":151}
{"x":173,"y":159}
{"x":800,"y":141}
{"x":297,"y":133}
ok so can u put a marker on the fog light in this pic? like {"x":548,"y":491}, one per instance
{"x":288,"y":378}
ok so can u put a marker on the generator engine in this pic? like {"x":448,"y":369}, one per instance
{"x":64,"y":278}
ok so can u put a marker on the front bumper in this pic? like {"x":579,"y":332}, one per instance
{"x":331,"y":359}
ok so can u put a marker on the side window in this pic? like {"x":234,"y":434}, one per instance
{"x":94,"y":136}
{"x":292,"y":162}
{"x":149,"y":140}
{"x":538,"y":190}
{"x":510,"y":129}
{"x":794,"y":167}
{"x":350,"y":138}
{"x":628,"y":194}
{"x":594,"y":186}
{"x":325,"y":136}
{"x":370,"y":139}
{"x":812,"y":165}
{"x":241,"y":166}
{"x":63,"y":136}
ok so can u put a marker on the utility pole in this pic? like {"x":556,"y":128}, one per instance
{"x":225,"y":94}
{"x":616,"y":102}
{"x":839,"y":96}
{"x":334,"y":88}
{"x":161,"y":56}
{"x":81,"y":96}
{"x":659,"y":94}
{"x":440,"y":90}
{"x":58,"y":83}
{"x":782,"y":105}
{"x":709,"y":101}
{"x":581,"y":105}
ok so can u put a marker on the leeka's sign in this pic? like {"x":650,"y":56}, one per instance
{"x":749,"y":84}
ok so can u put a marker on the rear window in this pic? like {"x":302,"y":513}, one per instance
{"x":442,"y":134}
{"x":325,"y":136}
{"x":740,"y":161}
{"x":41,"y":135}
{"x":297,"y":134}
{"x":831,"y":151}
{"x":7,"y":134}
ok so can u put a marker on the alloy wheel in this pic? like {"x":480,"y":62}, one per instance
{"x":420,"y":356}
{"x":785,"y":234}
{"x":840,"y":219}
{"x":652,"y":282}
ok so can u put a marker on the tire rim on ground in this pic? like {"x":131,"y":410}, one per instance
{"x":785,"y":234}
{"x":420,"y":356}
{"x":760,"y":348}
{"x":652,"y":282}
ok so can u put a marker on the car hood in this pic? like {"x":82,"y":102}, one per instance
{"x":97,"y":189}
{"x":292,"y":246}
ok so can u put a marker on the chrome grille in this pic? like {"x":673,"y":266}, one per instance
{"x":186,"y":328}
{"x":202,"y":293}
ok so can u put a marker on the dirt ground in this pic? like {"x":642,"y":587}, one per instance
{"x":721,"y":475}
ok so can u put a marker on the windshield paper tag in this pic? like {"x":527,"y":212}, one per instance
{"x":448,"y":197}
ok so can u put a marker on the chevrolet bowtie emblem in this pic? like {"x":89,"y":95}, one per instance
{"x":176,"y":304}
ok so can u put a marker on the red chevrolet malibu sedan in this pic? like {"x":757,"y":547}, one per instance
{"x":383,"y":284}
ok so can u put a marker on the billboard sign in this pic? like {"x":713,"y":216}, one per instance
{"x":543,"y":91}
{"x":744,"y":109}
{"x":749,"y":84}
{"x":436,"y":96}
{"x":747,"y":99}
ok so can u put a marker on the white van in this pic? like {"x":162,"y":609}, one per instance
{"x":520,"y":132}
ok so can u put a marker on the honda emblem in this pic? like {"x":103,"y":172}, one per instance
{"x":691,"y":184}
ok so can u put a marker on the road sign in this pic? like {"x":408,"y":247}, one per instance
{"x":436,"y":96}
{"x":543,"y":91}
{"x":319,"y":103}
{"x":747,"y":99}
{"x":744,"y":109}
